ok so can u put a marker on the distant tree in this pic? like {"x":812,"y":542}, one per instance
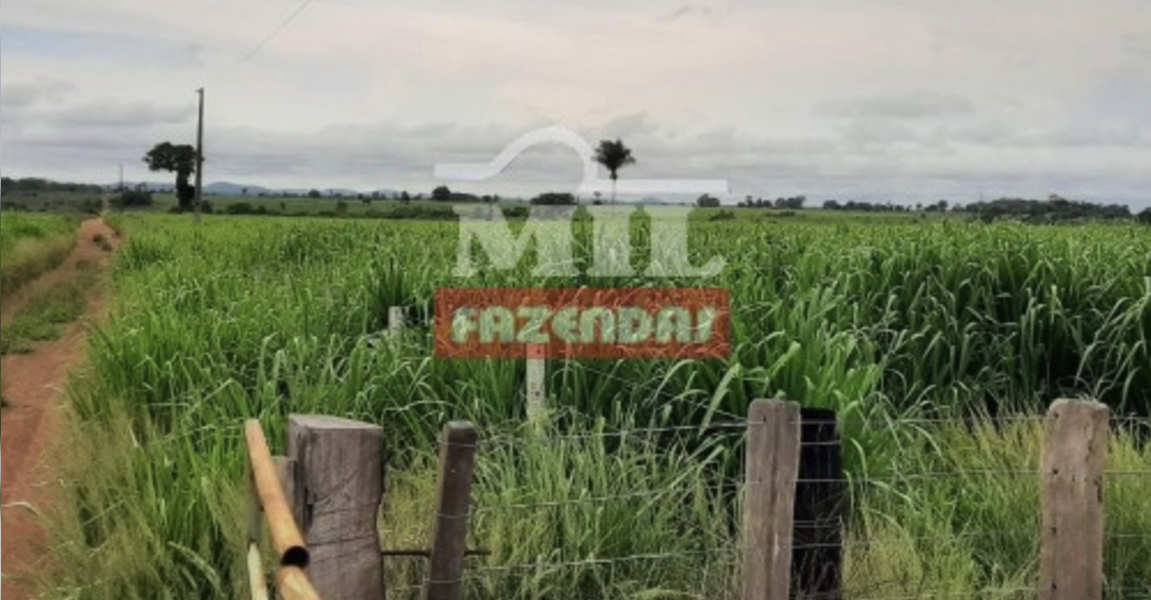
{"x":554,"y":199}
{"x":315,"y":194}
{"x":133,"y":199}
{"x":708,"y":201}
{"x":442,"y":194}
{"x":1053,"y":209}
{"x":832,"y":205}
{"x":614,"y":156}
{"x":405,"y":197}
{"x":793,"y":203}
{"x":240,"y":208}
{"x":1145,"y":216}
{"x":180,"y":160}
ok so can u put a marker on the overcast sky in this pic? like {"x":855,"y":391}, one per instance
{"x":862,"y":99}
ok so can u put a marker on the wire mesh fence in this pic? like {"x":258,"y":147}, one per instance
{"x":658,"y":512}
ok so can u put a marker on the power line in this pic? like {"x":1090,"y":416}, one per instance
{"x":222,"y":71}
{"x":275,"y":32}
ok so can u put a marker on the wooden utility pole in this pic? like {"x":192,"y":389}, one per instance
{"x":200,"y":155}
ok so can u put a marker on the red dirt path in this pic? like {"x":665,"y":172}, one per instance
{"x":34,"y":386}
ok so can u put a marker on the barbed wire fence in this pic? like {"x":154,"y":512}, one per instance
{"x":785,"y":519}
{"x":593,"y":545}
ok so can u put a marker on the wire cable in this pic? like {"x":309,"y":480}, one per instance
{"x":277,"y":31}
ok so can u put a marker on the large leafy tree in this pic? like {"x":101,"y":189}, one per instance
{"x":1145,"y":216}
{"x":614,"y":156}
{"x":178,"y":159}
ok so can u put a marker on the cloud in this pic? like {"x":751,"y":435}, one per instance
{"x":688,"y":11}
{"x":115,"y":114}
{"x":67,"y":43}
{"x":881,"y":97}
{"x":918,"y":104}
{"x":28,"y":93}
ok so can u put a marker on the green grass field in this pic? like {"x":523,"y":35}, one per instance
{"x":884,"y":322}
{"x":426,"y":209}
{"x":32,"y":244}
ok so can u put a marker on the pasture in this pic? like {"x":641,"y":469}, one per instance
{"x":903,"y":328}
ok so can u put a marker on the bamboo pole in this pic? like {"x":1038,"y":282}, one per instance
{"x":285,"y":535}
{"x":256,"y":581}
{"x":293,"y":584}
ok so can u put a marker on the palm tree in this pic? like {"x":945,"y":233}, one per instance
{"x":614,"y":156}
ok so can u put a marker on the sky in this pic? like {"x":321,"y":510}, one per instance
{"x":878,"y":100}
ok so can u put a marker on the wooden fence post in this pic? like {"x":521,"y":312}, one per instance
{"x":536,"y":382}
{"x":338,"y":483}
{"x":286,"y":472}
{"x":773,"y":441}
{"x":453,"y":506}
{"x":817,"y":555}
{"x":396,"y":321}
{"x":1074,"y":459}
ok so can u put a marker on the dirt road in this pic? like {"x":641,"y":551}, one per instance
{"x":34,"y":386}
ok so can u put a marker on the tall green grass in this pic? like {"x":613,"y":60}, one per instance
{"x":211,"y":325}
{"x":31,"y":245}
{"x":42,"y":318}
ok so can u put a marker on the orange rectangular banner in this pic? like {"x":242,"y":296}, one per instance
{"x":583,"y":323}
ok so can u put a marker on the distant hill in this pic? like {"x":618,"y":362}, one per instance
{"x":228,"y":188}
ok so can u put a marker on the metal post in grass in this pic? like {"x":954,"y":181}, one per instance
{"x":338,"y":487}
{"x":1074,"y":459}
{"x":817,"y":542}
{"x":453,"y":507}
{"x":773,"y":444}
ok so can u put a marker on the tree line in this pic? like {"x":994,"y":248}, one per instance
{"x":1054,"y":209}
{"x":37,"y":185}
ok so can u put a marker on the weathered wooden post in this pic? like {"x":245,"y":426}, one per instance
{"x":536,"y":382}
{"x":338,"y":485}
{"x":453,"y":507}
{"x":1074,"y":460}
{"x":396,"y":322}
{"x":817,"y":556}
{"x":773,"y":441}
